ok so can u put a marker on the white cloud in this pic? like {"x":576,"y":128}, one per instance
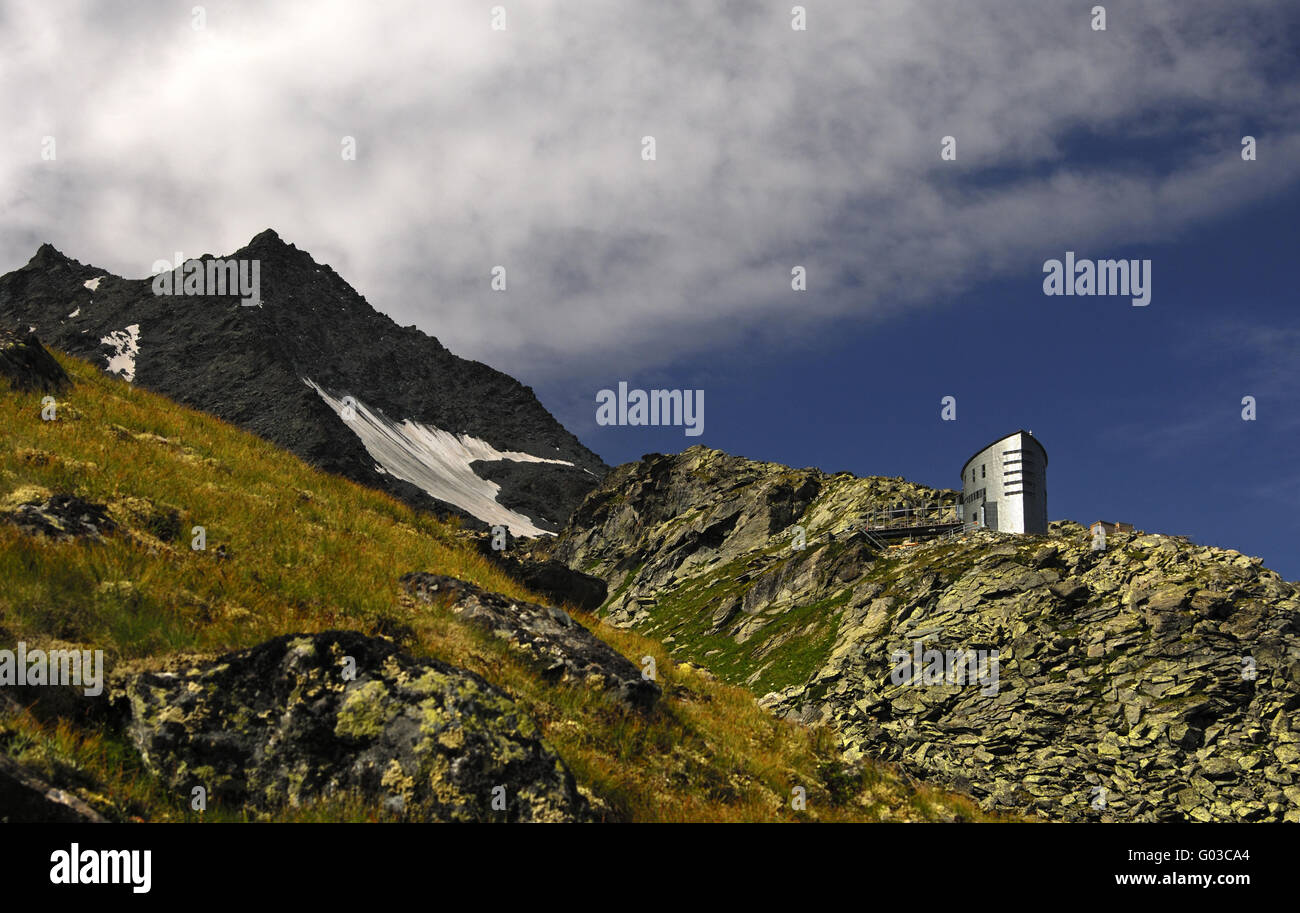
{"x":521,"y":148}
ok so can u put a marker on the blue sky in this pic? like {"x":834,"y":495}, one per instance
{"x":1139,"y":408}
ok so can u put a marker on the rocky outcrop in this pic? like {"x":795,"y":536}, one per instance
{"x":556,"y":581}
{"x":728,"y":559}
{"x":61,"y":517}
{"x":558,"y":645}
{"x":311,"y":716}
{"x":545,"y":576}
{"x":26,"y":364}
{"x":27,"y":798}
{"x":1153,"y":680}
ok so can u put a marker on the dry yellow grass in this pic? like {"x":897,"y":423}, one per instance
{"x":308,"y":551}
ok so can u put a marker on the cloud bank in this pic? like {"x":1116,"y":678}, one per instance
{"x":523,"y":148}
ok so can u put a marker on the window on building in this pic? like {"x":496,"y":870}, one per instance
{"x":982,"y":473}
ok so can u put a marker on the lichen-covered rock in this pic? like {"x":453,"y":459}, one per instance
{"x":550,"y":637}
{"x":337,"y":713}
{"x":61,"y":517}
{"x":26,"y":364}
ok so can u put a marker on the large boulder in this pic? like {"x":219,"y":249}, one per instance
{"x":26,"y":364}
{"x":307,"y":716}
{"x":556,"y":581}
{"x":550,"y":637}
{"x":528,"y":562}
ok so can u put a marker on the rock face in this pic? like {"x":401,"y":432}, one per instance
{"x":557,"y":644}
{"x":281,"y":723}
{"x":1154,"y":680}
{"x":553,"y":579}
{"x":25,"y":798}
{"x":249,"y":366}
{"x":61,"y":517}
{"x":557,"y":581}
{"x":705,"y":548}
{"x":26,"y":364}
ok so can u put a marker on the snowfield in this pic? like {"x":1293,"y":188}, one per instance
{"x":438,"y":462}
{"x":126,"y":346}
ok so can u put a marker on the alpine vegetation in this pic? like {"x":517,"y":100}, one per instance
{"x":333,"y":653}
{"x":656,"y":407}
{"x":1131,"y":278}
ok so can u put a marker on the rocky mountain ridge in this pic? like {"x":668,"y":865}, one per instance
{"x":1152,"y":680}
{"x":318,"y":371}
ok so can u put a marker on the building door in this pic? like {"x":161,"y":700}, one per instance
{"x":990,"y":514}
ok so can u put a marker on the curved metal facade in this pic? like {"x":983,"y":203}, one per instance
{"x":1004,"y":486}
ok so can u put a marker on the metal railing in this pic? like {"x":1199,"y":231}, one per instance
{"x":912,"y":515}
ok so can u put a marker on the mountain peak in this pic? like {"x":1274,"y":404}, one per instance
{"x":258,"y":367}
{"x":48,"y":255}
{"x":268,"y":243}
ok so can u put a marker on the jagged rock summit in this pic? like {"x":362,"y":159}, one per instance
{"x":317,"y":370}
{"x":1153,"y":680}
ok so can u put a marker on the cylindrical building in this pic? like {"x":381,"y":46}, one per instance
{"x":1004,"y":486}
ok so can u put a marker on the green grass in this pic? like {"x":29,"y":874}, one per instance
{"x":786,"y":649}
{"x":309,"y":551}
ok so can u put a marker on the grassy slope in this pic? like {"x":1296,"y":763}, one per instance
{"x":308,"y":551}
{"x":786,"y":650}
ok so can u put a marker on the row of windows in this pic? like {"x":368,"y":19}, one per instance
{"x":1010,"y":458}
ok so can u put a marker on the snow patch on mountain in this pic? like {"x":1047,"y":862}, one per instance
{"x":126,"y":346}
{"x":92,"y":284}
{"x":436,"y":461}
